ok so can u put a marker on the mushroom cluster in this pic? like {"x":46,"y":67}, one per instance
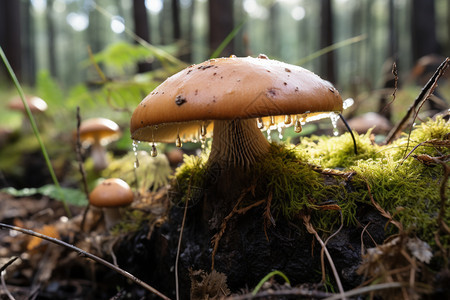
{"x":233,"y":99}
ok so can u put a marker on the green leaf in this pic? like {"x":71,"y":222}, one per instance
{"x":72,"y":196}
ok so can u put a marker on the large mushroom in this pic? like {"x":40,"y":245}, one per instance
{"x":97,"y":133}
{"x":233,"y":99}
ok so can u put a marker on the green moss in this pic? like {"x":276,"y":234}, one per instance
{"x":336,"y":152}
{"x":406,"y":188}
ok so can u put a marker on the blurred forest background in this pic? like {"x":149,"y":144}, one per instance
{"x":104,"y":56}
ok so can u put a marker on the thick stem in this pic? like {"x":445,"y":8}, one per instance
{"x":237,"y":144}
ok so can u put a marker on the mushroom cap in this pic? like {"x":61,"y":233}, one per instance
{"x":99,"y":130}
{"x":229,"y":89}
{"x":35,"y":104}
{"x":111,"y":192}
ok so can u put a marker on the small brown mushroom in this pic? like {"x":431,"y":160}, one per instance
{"x":36,"y":105}
{"x":111,"y":195}
{"x":233,"y":99}
{"x":97,"y":133}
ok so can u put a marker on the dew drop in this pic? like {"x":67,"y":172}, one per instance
{"x":287,"y":120}
{"x":203,"y":130}
{"x":334,"y":118}
{"x":298,"y":125}
{"x":260,"y":123}
{"x":280,"y":133}
{"x":178,"y":142}
{"x":272,"y":121}
{"x":154,"y":152}
{"x":136,"y":162}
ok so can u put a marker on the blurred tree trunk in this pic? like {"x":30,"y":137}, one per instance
{"x":29,"y":44}
{"x":176,"y":19}
{"x":51,"y":39}
{"x":326,"y":39}
{"x":186,"y":54}
{"x":220,"y":25}
{"x":274,"y":29}
{"x":423,"y":29}
{"x":141,"y":29}
{"x":10,"y":36}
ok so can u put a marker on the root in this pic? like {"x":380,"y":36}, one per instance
{"x":216,"y":238}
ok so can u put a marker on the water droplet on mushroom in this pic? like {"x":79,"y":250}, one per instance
{"x":334,"y":118}
{"x":260,"y":123}
{"x":280,"y":133}
{"x":272,"y":121}
{"x":297,"y":125}
{"x":154,"y":152}
{"x":203,"y":130}
{"x":178,"y":142}
{"x":269,"y":137}
{"x":287,"y":120}
{"x":136,"y":162}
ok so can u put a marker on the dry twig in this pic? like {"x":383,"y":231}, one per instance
{"x":310,"y":229}
{"x":88,"y":255}
{"x":420,"y":100}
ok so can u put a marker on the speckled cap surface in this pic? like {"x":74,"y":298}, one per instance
{"x":227,"y":89}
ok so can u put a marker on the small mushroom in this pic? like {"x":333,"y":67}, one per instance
{"x":111,"y":195}
{"x":36,"y":105}
{"x":97,"y":133}
{"x":232,"y":99}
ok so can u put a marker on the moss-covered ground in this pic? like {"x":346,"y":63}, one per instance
{"x":322,"y":174}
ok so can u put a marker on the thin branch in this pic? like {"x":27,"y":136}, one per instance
{"x":310,"y":229}
{"x":368,"y":289}
{"x":423,"y":96}
{"x":177,"y":292}
{"x":283,"y":292}
{"x":81,"y":168}
{"x":88,"y":255}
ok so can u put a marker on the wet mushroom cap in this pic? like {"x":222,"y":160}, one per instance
{"x":35,"y":104}
{"x":99,"y":129}
{"x":230,"y":89}
{"x":111,"y":192}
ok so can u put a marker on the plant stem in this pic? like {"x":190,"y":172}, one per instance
{"x":35,"y":129}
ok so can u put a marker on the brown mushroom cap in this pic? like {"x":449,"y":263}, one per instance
{"x":99,"y":130}
{"x":230,"y":89}
{"x":111,"y":192}
{"x":35,"y":104}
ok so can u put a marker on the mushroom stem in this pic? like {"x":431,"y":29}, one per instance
{"x":98,"y":153}
{"x":237,"y":143}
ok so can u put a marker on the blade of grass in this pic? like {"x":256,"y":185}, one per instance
{"x":35,"y":129}
{"x":227,"y":39}
{"x":267,"y":277}
{"x":330,"y":48}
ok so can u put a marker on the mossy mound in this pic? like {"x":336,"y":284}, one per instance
{"x":406,"y":188}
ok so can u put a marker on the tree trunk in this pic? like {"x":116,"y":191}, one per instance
{"x":51,"y":39}
{"x":326,"y":39}
{"x":10,"y":35}
{"x":220,"y":25}
{"x":176,"y":19}
{"x":423,"y":29}
{"x":141,"y":29}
